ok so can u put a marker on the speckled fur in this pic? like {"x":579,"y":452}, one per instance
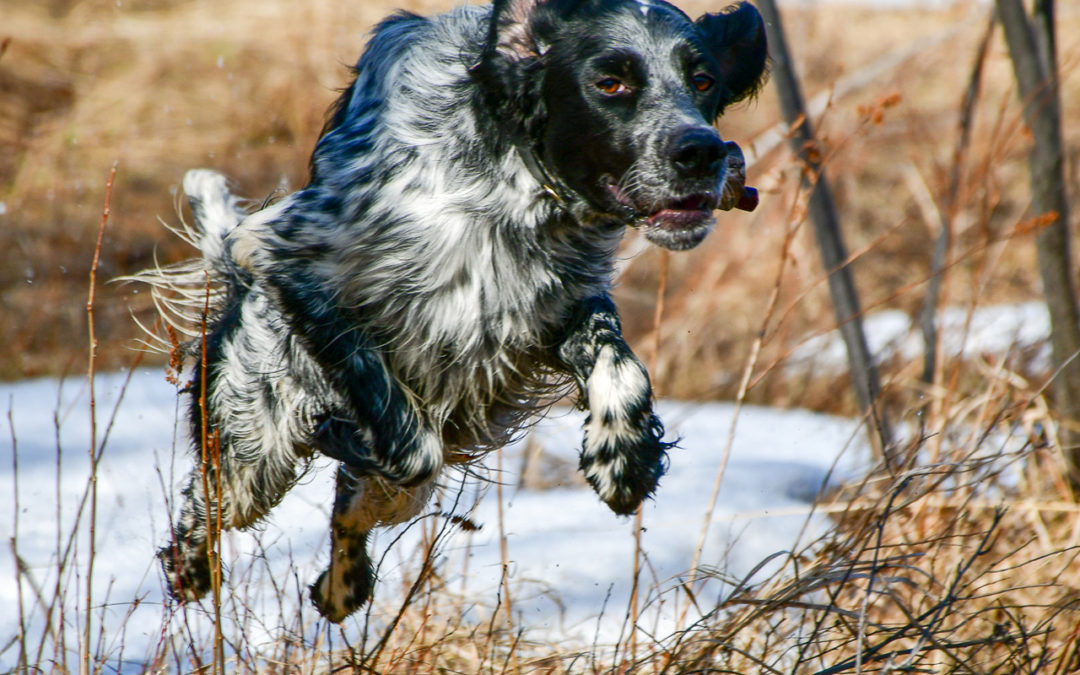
{"x":428,"y":292}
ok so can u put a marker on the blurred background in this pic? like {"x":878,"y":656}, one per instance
{"x":156,"y":87}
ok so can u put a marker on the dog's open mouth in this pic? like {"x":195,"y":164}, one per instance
{"x":679,"y":223}
{"x":682,"y":223}
{"x":686,"y":212}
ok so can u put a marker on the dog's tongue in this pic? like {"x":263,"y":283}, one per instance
{"x":687,"y":214}
{"x":680,"y":213}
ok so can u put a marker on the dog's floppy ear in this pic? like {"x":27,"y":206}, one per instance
{"x":511,"y":54}
{"x":736,"y":38}
{"x":510,"y":31}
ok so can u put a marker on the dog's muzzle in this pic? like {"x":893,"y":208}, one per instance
{"x":683,"y":222}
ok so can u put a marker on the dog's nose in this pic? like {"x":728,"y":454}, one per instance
{"x":698,"y":152}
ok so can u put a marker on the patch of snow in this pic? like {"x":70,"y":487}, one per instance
{"x":570,"y":557}
{"x":995,"y":330}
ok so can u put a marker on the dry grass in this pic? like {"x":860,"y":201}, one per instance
{"x":964,"y":563}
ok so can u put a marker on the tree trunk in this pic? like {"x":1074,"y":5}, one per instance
{"x":826,"y":222}
{"x":1033,"y":54}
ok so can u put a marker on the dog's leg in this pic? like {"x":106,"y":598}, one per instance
{"x":361,"y":503}
{"x":623,"y":455}
{"x":257,"y":420}
{"x":185,"y":560}
{"x":247,"y":493}
{"x":390,"y":456}
{"x":380,"y":432}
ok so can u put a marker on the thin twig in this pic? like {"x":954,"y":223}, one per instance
{"x":15,"y":537}
{"x":504,"y":553}
{"x":635,"y":580}
{"x":84,"y":665}
{"x":740,"y":399}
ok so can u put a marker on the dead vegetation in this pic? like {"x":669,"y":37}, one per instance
{"x":963,"y":563}
{"x":967,"y":561}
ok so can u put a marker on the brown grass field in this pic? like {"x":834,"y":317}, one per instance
{"x":157,"y":87}
{"x":943,"y":568}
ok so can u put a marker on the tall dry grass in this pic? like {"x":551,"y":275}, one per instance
{"x":966,"y":562}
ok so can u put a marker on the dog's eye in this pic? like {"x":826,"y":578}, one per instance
{"x":702,"y":81}
{"x":612,"y":86}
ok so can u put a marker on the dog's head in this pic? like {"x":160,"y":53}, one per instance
{"x":615,"y":100}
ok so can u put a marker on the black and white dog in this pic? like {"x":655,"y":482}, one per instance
{"x":446,"y":272}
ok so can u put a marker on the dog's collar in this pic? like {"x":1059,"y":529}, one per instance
{"x":563,"y":195}
{"x":552,"y":187}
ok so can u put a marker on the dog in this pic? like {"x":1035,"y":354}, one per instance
{"x":445,"y":274}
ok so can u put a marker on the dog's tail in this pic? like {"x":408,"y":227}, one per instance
{"x":186,"y":293}
{"x":216,"y":211}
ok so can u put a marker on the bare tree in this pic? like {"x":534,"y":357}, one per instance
{"x":826,"y":222}
{"x":1034,"y":56}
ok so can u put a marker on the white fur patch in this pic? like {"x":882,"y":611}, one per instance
{"x":604,"y":475}
{"x":219,"y":210}
{"x":615,"y":386}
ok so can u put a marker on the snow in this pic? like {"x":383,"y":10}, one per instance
{"x":996,"y":330}
{"x":570,"y":557}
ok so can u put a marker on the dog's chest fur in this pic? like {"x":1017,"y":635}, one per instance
{"x":443,"y":246}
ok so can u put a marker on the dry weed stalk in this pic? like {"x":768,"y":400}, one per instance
{"x":20,"y":638}
{"x":209,"y":472}
{"x":84,"y":666}
{"x":635,"y":579}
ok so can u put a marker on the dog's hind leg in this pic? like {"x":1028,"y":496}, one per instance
{"x":257,"y":422}
{"x":623,"y":455}
{"x":247,"y":493}
{"x":361,"y":503}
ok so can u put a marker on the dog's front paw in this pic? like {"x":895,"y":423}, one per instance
{"x":624,"y":454}
{"x":623,"y":460}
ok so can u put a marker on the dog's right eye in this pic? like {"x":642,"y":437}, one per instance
{"x":612,"y":86}
{"x":702,"y":81}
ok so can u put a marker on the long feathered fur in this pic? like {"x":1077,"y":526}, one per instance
{"x":445,"y":275}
